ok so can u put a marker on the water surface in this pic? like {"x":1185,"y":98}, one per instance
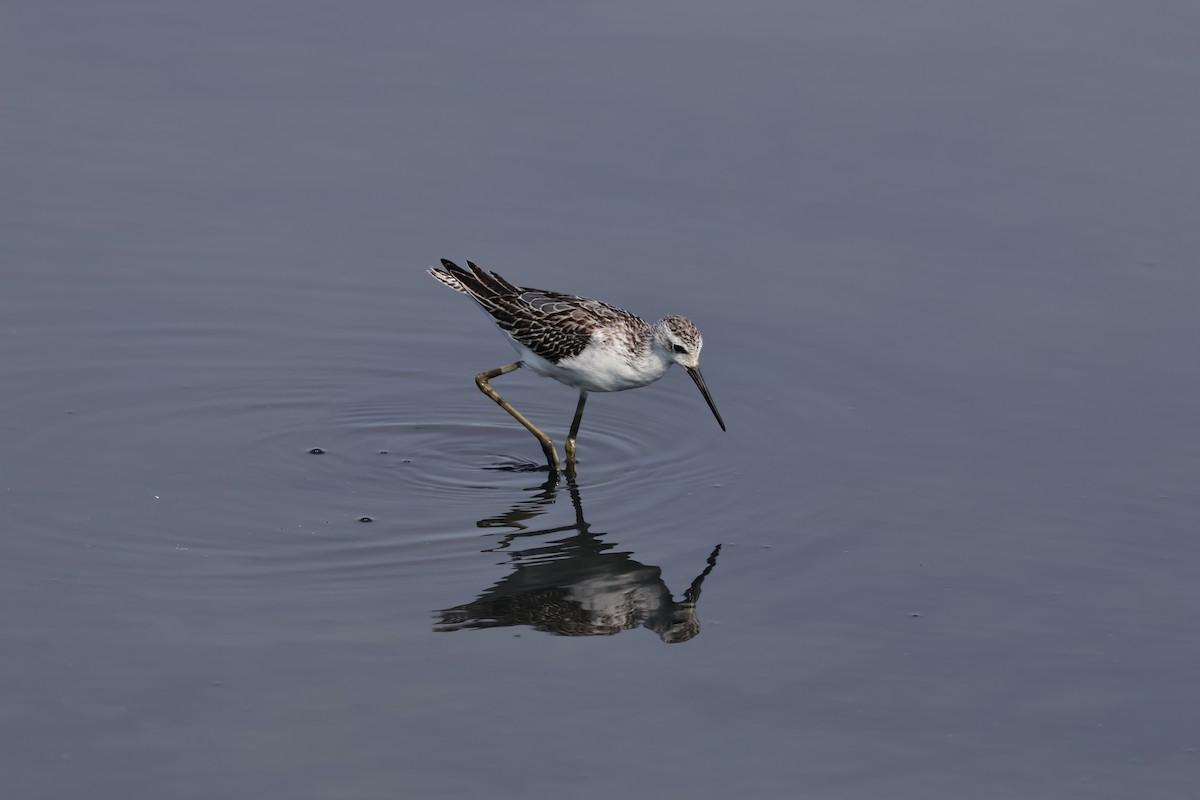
{"x":943,"y":257}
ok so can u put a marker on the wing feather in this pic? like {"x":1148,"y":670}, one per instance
{"x":551,"y":324}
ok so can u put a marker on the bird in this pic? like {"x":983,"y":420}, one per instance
{"x":583,"y":343}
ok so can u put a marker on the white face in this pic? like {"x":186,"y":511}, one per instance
{"x":682,"y":342}
{"x":685,"y":354}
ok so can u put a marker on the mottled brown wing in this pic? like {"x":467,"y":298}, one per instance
{"x":551,"y":324}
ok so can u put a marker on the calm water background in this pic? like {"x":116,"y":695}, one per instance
{"x":944,"y":257}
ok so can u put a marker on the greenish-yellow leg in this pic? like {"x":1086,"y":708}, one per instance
{"x":570,"y":445}
{"x":481,"y":380}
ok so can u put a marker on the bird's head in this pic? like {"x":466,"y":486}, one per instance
{"x":680,"y":340}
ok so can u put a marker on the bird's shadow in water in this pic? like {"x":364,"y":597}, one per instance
{"x":574,"y":586}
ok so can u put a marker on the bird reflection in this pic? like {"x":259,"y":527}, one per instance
{"x":575,"y":586}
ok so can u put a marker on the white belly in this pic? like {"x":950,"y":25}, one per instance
{"x":598,"y":368}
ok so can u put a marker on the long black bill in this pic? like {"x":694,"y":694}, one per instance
{"x":699,"y":379}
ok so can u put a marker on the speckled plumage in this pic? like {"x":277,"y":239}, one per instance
{"x":551,"y":324}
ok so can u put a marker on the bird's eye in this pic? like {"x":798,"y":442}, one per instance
{"x":680,"y":348}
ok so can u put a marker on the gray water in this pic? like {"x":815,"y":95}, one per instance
{"x":944,"y":258}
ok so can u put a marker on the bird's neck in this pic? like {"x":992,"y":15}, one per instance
{"x":653,"y":356}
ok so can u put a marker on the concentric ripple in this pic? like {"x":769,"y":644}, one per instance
{"x":198,"y":456}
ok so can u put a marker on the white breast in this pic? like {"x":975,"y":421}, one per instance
{"x":601,"y":367}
